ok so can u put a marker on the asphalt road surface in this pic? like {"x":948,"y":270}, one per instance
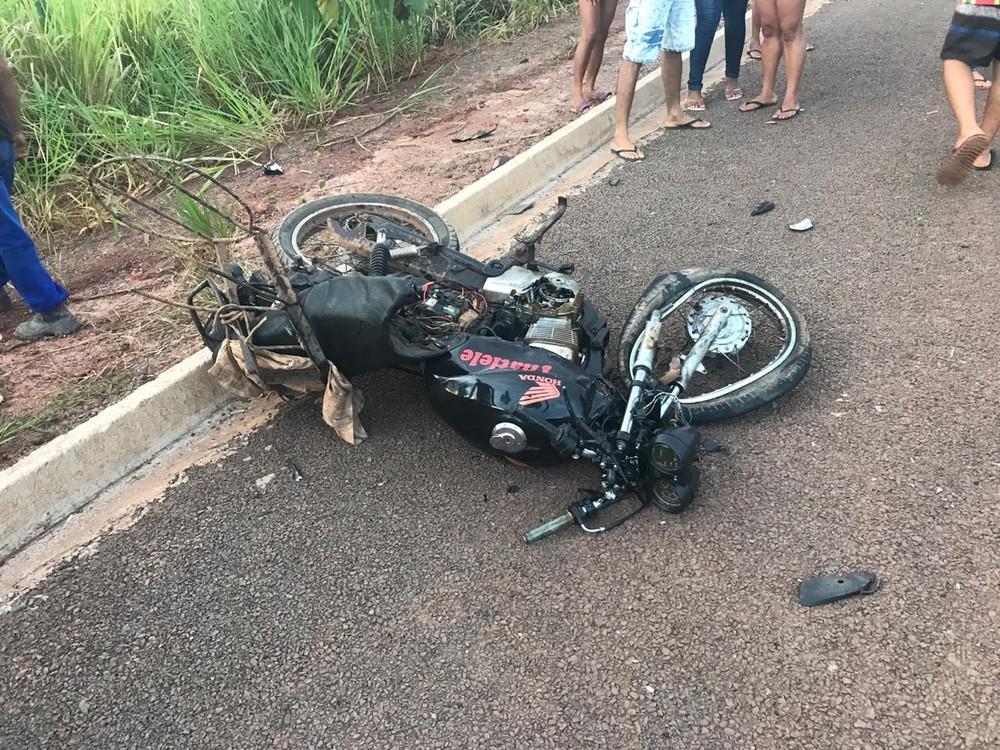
{"x":387,"y":601}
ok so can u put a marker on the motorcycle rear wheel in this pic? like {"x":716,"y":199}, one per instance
{"x":677,"y":293}
{"x":303,"y":238}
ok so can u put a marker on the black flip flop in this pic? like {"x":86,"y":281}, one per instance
{"x":760,"y":55}
{"x":758,"y":104}
{"x":619,"y":152}
{"x":689,"y":125}
{"x":794,"y":110}
{"x":989,"y":166}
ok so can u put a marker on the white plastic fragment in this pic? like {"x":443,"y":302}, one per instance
{"x":801,"y":226}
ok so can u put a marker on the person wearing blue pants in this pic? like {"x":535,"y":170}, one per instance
{"x":19,"y":262}
{"x":708,"y":14}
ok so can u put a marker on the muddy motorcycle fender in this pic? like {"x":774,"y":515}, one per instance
{"x":495,"y":392}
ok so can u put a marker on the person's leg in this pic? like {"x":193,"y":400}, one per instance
{"x":771,"y":50}
{"x":628,"y":76}
{"x":707,"y":15}
{"x":21,"y":265}
{"x":973,"y":36}
{"x":606,"y":17}
{"x":644,"y":24}
{"x":754,"y":46}
{"x":990,"y":123}
{"x":590,"y":15}
{"x":793,"y":39}
{"x":678,"y":38}
{"x":962,"y":97}
{"x":735,"y":14}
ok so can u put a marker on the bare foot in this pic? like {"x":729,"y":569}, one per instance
{"x":984,"y":160}
{"x":695,"y":101}
{"x":627,"y":151}
{"x":758,"y":102}
{"x":787,"y":111}
{"x":958,"y":163}
{"x":682,"y":122}
{"x":595,"y":97}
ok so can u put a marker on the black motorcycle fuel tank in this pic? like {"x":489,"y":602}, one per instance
{"x":483,"y":382}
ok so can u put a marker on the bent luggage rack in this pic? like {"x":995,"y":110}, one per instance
{"x":145,"y":208}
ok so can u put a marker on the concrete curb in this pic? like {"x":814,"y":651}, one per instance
{"x":65,"y":474}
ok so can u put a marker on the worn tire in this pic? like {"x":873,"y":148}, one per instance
{"x":284,"y":235}
{"x":664,"y":291}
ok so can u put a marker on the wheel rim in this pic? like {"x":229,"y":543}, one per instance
{"x":314,"y":223}
{"x":763,"y":301}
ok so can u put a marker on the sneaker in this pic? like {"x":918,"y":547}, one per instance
{"x":5,"y":303}
{"x":58,"y":322}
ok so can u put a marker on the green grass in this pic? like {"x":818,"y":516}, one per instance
{"x":208,"y":78}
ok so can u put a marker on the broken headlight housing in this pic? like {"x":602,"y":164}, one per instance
{"x":671,"y":476}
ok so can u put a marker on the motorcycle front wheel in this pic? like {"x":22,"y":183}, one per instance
{"x":304,"y":238}
{"x":762,"y":352}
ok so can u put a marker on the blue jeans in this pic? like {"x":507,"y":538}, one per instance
{"x":19,"y":262}
{"x":708,"y":13}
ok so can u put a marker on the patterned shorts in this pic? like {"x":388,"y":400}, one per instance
{"x":652,"y":25}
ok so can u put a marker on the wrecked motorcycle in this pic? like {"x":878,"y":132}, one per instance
{"x":512,"y":351}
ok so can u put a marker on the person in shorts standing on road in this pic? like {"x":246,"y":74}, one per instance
{"x":654,"y":28}
{"x":595,"y":21}
{"x":973,"y":40}
{"x":19,"y":262}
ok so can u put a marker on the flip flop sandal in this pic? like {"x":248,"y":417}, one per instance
{"x":752,"y":52}
{"x":795,"y":113}
{"x":989,"y":166}
{"x":620,"y":153}
{"x":689,"y":125}
{"x":735,"y":95}
{"x":755,"y":104}
{"x":602,"y":97}
{"x":694,"y":108}
{"x":581,"y":108}
{"x":958,"y":164}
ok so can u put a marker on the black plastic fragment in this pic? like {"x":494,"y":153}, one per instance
{"x":762,"y":208}
{"x":708,"y":445}
{"x":475,"y":136}
{"x":520,"y":208}
{"x":825,"y":589}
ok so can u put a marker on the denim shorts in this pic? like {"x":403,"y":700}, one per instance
{"x":652,"y":25}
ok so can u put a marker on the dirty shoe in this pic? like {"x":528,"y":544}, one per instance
{"x":58,"y":322}
{"x":5,"y":303}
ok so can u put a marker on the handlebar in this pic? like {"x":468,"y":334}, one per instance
{"x":551,"y":527}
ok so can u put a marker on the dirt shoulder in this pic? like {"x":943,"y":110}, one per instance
{"x":520,"y":87}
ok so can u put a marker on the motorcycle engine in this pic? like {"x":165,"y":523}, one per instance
{"x":551,"y":300}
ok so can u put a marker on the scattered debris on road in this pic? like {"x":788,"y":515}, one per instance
{"x":520,"y":208}
{"x":296,"y":473}
{"x":273,"y":170}
{"x":475,"y":136}
{"x":500,"y":161}
{"x":801,"y":226}
{"x":762,"y":208}
{"x":825,"y":589}
{"x":264,"y":481}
